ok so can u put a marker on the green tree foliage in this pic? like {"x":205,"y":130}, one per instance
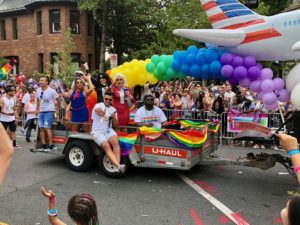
{"x":63,"y":67}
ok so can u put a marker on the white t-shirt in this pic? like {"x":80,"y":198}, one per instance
{"x":8,"y":107}
{"x":48,"y":99}
{"x":31,"y":107}
{"x":101,"y":123}
{"x":155,"y":116}
{"x":26,"y":98}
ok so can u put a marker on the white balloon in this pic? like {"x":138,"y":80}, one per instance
{"x":295,"y":96}
{"x":293,"y":78}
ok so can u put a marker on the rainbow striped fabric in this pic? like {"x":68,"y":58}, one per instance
{"x":213,"y":126}
{"x":4,"y":70}
{"x":126,"y":142}
{"x":150,"y":133}
{"x":188,"y":139}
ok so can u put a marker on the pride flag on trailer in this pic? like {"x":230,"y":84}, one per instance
{"x":126,"y":142}
{"x":4,"y":70}
{"x":213,"y":126}
{"x":150,"y":133}
{"x":188,"y":139}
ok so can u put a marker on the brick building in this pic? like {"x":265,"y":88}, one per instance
{"x":31,"y":31}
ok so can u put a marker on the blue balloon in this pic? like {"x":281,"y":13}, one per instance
{"x":215,"y":68}
{"x":176,"y":65}
{"x":177,"y":54}
{"x":195,"y":70}
{"x":201,"y":58}
{"x":180,"y":56}
{"x":201,"y":50}
{"x":205,"y":70}
{"x":191,"y":59}
{"x":192,"y":49}
{"x":185,"y":69}
{"x":211,"y":56}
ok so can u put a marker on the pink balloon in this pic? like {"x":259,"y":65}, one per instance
{"x":269,"y":98}
{"x":245,"y":82}
{"x":267,"y":86}
{"x":266,"y":74}
{"x":255,"y":86}
{"x":278,"y":84}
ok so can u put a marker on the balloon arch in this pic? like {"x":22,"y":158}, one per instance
{"x":207,"y":63}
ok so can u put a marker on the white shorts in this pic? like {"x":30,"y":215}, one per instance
{"x":101,"y":136}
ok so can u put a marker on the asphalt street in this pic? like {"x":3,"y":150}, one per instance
{"x":147,"y":196}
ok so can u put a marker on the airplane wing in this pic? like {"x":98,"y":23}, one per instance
{"x":218,"y":37}
{"x":296,"y":46}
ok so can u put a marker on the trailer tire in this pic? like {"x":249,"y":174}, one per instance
{"x":79,"y":156}
{"x":107,"y":167}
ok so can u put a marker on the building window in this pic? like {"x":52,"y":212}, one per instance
{"x":15,"y":28}
{"x":41,"y":63}
{"x":39,"y":27}
{"x":74,"y":22}
{"x":76,"y":59}
{"x":54,"y":21}
{"x":3,"y":30}
{"x":90,"y":24}
{"x":90,"y":61}
{"x":54,"y":64}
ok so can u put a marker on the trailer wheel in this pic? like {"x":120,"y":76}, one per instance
{"x":108,"y":168}
{"x":79,"y":156}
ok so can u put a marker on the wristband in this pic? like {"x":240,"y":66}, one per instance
{"x":293,"y":152}
{"x":296,"y":169}
{"x":52,"y":212}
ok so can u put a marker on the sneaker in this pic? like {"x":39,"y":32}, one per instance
{"x":122,"y":168}
{"x":28,"y":140}
{"x":255,"y":146}
{"x":22,"y":131}
{"x":52,"y":147}
{"x":17,"y":147}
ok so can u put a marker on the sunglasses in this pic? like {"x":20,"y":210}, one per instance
{"x":42,"y":93}
{"x":150,"y":100}
{"x":108,"y":99}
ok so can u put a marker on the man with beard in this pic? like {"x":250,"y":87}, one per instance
{"x":150,"y":115}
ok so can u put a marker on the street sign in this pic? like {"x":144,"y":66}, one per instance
{"x":113,"y":60}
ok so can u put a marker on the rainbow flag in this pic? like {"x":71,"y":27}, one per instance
{"x":126,"y":142}
{"x":213,"y":126}
{"x":188,"y":139}
{"x":150,"y":133}
{"x":4,"y":70}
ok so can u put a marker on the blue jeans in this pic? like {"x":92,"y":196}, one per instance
{"x":46,"y":119}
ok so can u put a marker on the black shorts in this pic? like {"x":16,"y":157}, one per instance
{"x":12,"y":125}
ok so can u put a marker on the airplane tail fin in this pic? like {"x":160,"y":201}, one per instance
{"x":229,"y":14}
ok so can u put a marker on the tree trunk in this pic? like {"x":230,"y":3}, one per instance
{"x":103,"y":35}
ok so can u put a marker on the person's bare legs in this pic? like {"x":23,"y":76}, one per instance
{"x":110,"y":154}
{"x":74,"y":127}
{"x":49,"y":135}
{"x":42,"y":135}
{"x":114,"y":141}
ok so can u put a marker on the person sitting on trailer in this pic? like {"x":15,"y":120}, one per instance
{"x":104,"y":116}
{"x":150,"y":115}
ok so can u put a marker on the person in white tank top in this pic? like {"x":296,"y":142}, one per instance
{"x":30,"y":110}
{"x":8,"y":113}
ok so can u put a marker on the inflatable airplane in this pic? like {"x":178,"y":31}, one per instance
{"x":244,"y":32}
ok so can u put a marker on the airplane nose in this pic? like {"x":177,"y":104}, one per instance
{"x":296,"y":46}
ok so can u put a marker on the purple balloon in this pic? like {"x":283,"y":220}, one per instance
{"x":266,"y":74}
{"x":267,"y":86}
{"x":226,"y":59}
{"x":269,"y":98}
{"x":249,"y":61}
{"x":245,"y":82}
{"x":254,"y":72}
{"x":227,"y":71}
{"x":240,"y":73}
{"x":284,"y":95}
{"x":260,"y":95}
{"x":255,"y":85}
{"x":260,"y":66}
{"x":233,"y":81}
{"x":237,"y":61}
{"x":278,"y":84}
{"x":274,"y":106}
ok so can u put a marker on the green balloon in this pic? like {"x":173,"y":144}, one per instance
{"x":161,"y":67}
{"x":150,"y":67}
{"x":156,"y":74}
{"x":170,"y":73}
{"x":163,"y":58}
{"x":169,"y":60}
{"x":155,"y":59}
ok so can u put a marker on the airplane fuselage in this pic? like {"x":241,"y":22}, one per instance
{"x":273,"y":39}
